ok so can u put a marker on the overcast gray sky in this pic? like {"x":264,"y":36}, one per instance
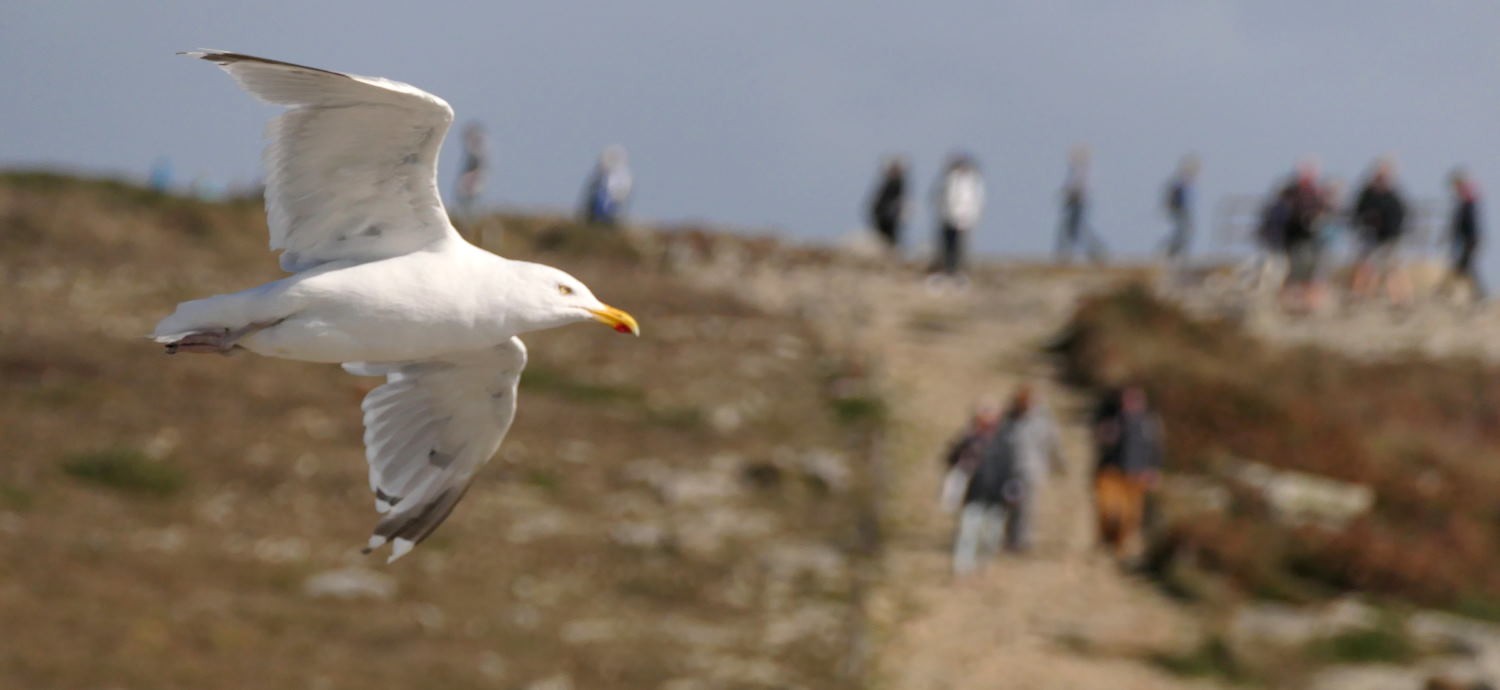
{"x":774,"y":114}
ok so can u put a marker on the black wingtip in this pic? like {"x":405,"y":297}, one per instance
{"x":229,"y":57}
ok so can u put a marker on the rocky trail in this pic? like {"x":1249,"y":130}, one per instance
{"x":1063,"y":616}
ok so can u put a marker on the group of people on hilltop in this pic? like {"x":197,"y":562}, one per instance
{"x":998,"y":467}
{"x":1295,"y":224}
{"x":1305,"y":214}
{"x":958,"y":203}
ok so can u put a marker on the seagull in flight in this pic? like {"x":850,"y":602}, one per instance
{"x":382,"y":283}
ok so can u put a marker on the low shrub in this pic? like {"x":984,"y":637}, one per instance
{"x":1422,"y":433}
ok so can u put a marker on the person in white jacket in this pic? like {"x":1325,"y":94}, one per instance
{"x":959,"y":198}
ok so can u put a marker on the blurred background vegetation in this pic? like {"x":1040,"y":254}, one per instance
{"x":676,"y":507}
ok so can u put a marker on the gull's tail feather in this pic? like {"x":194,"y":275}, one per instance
{"x":231,"y":311}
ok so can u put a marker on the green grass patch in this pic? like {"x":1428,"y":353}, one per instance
{"x":1212,"y":658}
{"x":858,"y":409}
{"x":61,"y":393}
{"x":544,"y":480}
{"x":1480,"y":607}
{"x":551,"y":381}
{"x":15,"y":498}
{"x":1384,"y":643}
{"x":127,"y":470}
{"x":932,"y":322}
{"x":681,"y":418}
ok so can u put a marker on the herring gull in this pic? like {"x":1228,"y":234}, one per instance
{"x":382,"y":283}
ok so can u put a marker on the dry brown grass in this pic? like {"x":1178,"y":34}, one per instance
{"x":199,"y":585}
{"x":1423,"y":433}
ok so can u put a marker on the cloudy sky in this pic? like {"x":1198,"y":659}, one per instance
{"x":774,"y":114}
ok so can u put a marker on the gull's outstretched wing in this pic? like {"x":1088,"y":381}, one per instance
{"x":428,"y":430}
{"x":351,"y":168}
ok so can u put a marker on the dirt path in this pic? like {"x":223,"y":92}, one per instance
{"x":1061,"y":617}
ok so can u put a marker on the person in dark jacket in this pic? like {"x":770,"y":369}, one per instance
{"x":964,"y":453}
{"x":1302,"y":205}
{"x":1179,"y":207}
{"x":991,"y":488}
{"x":1464,"y":235}
{"x":1131,"y":446}
{"x":888,"y":205}
{"x":974,"y":482}
{"x":1379,"y":215}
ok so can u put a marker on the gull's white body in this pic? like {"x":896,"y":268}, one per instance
{"x":381,"y":282}
{"x":452,"y":298}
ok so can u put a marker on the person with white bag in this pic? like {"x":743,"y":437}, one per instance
{"x":964,"y":453}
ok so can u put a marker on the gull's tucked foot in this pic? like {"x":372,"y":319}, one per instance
{"x":215,"y":341}
{"x":203,"y":341}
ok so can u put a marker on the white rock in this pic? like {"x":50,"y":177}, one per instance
{"x":1299,"y":497}
{"x":536,"y":525}
{"x":725,"y":419}
{"x":560,"y":681}
{"x":492,"y":665}
{"x":586,"y":631}
{"x":350,"y":583}
{"x":640,"y":535}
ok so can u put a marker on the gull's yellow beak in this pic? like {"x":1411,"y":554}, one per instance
{"x":616,"y":319}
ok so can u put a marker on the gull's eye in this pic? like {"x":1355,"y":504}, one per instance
{"x":564,"y":290}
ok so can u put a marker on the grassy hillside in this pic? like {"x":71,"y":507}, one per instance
{"x":1424,"y":434}
{"x":675,"y":508}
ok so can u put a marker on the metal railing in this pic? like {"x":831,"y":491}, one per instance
{"x":1236,"y":221}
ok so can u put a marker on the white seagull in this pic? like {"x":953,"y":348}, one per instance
{"x":382,"y":283}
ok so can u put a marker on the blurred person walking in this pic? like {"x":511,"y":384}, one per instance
{"x":1029,"y":438}
{"x":1379,"y":216}
{"x":472,"y":171}
{"x":1130,"y":442}
{"x":160,"y":178}
{"x":608,"y":188}
{"x":1178,"y":202}
{"x":966,"y":451}
{"x":1464,"y":235}
{"x":959,"y":199}
{"x":1075,"y":230}
{"x":1268,"y":265}
{"x":991,"y":487}
{"x":888,"y":203}
{"x":1302,"y":204}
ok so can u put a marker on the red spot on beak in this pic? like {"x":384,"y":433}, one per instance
{"x":622,"y":328}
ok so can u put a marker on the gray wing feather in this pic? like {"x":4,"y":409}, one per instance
{"x":428,"y":429}
{"x":351,"y":168}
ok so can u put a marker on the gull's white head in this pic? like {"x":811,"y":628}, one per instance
{"x":549,"y":298}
